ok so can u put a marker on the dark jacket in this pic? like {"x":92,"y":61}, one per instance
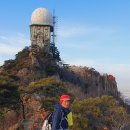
{"x":59,"y":118}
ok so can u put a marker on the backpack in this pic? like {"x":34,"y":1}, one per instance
{"x":47,"y":124}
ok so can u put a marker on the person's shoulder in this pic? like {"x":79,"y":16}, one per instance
{"x":58,"y":107}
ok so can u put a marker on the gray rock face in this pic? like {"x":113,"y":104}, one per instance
{"x":92,"y":82}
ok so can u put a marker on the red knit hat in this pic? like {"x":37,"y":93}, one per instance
{"x":63,"y":98}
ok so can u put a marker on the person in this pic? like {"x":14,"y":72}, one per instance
{"x":62,"y":115}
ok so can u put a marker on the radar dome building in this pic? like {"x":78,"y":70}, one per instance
{"x":41,"y":28}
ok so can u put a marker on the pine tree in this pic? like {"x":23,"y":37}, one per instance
{"x":55,"y":52}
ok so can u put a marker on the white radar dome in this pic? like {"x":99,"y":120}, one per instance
{"x":41,"y":16}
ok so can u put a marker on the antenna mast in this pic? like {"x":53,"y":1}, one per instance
{"x":54,"y":24}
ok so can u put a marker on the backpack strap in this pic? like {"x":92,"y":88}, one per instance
{"x":63,"y":117}
{"x":62,"y":112}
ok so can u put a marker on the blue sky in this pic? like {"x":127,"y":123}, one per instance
{"x":94,"y":33}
